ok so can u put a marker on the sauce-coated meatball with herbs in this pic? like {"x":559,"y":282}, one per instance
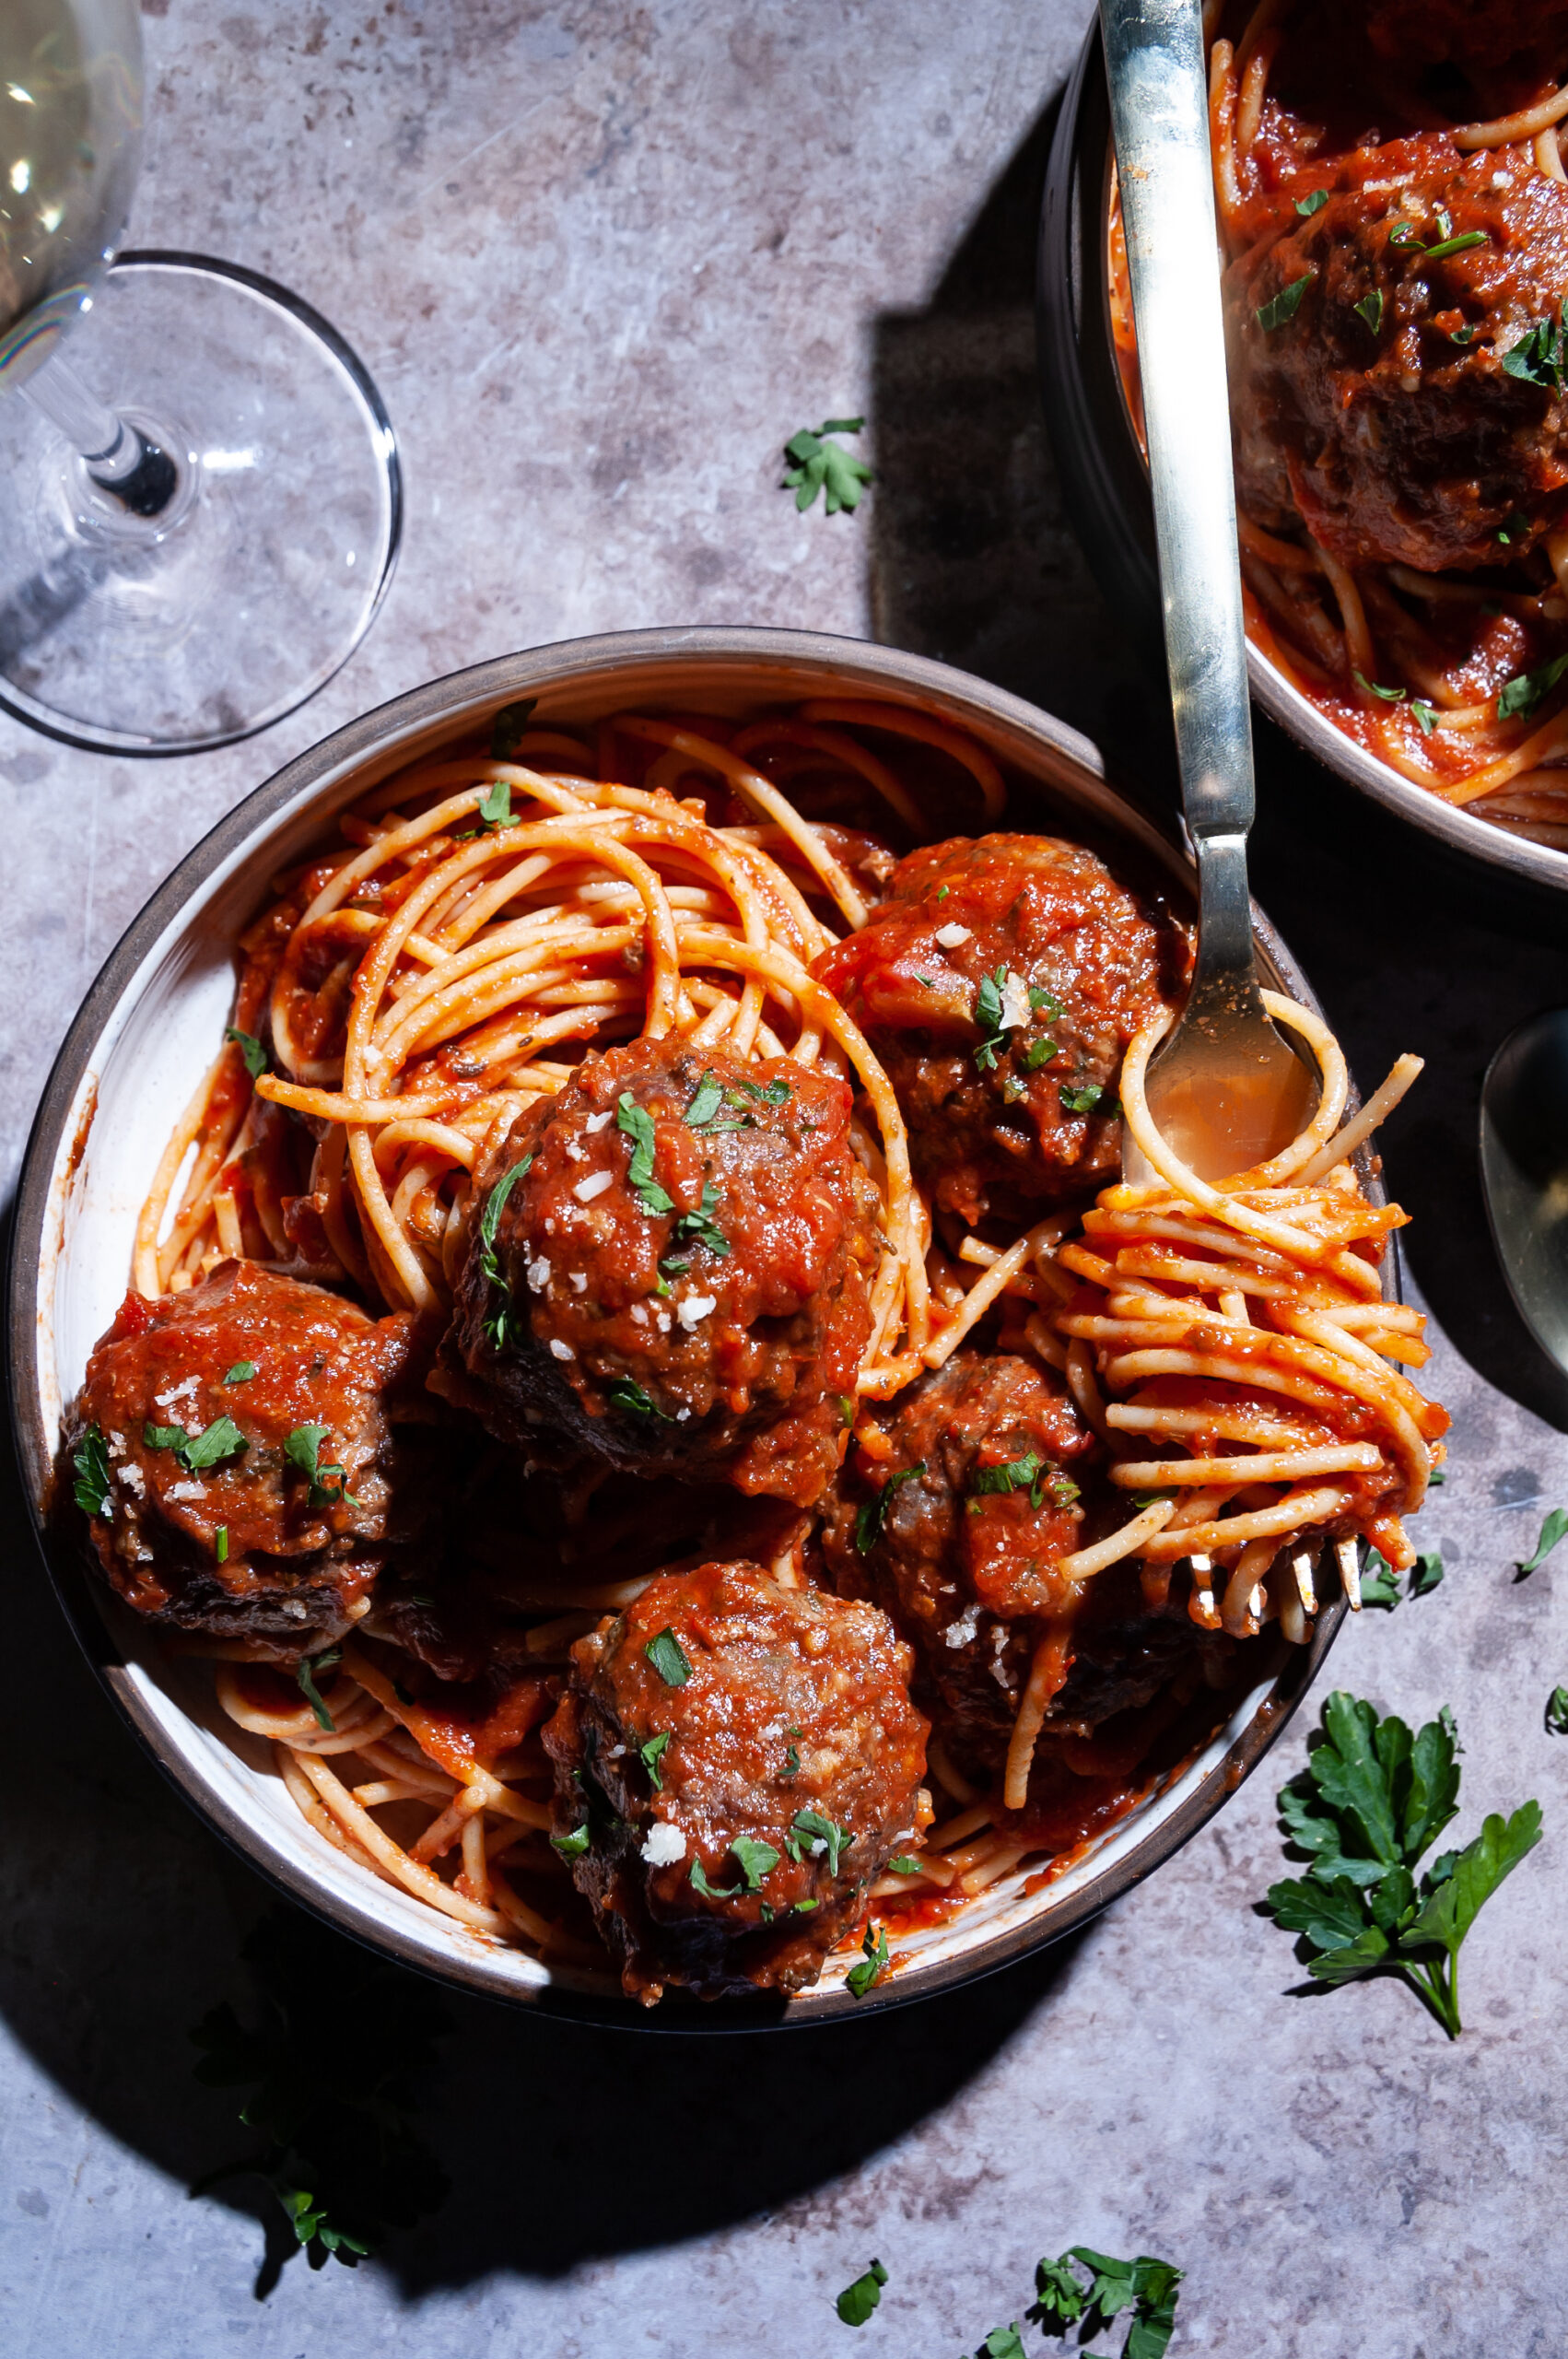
{"x":232,"y":1449}
{"x":736,"y":1763}
{"x":668,"y":1272}
{"x":977,"y":1481}
{"x":1000,"y":983}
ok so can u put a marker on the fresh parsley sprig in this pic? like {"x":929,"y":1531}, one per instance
{"x":873,"y":1964}
{"x":1147,"y":2287}
{"x":637,"y":1125}
{"x":329,"y":1485}
{"x":873,"y":1516}
{"x":819,"y":463}
{"x":1285,"y":305}
{"x":1552,"y":1531}
{"x":1526,"y":690}
{"x":1380,"y":1583}
{"x":305,"y":1680}
{"x":250,"y":1049}
{"x":1370,"y":1803}
{"x":91,"y":1488}
{"x":857,"y":2301}
{"x":196,"y":1452}
{"x":1029,"y":1473}
{"x":496,"y":1319}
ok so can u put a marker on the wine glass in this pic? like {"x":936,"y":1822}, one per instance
{"x":196,"y":531}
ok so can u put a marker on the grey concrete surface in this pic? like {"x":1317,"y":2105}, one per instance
{"x":603,"y":258}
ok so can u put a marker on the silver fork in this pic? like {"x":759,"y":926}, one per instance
{"x":1225,"y":1087}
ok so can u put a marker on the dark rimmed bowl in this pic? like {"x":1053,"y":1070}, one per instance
{"x":1105,"y":486}
{"x":129,"y":1064}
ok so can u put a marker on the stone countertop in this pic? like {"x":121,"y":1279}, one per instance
{"x":601,"y":260}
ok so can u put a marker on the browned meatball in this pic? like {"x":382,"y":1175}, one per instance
{"x":676,"y":1278}
{"x":232,"y":1448}
{"x":956,"y":1530}
{"x":999,"y":982}
{"x":737,"y":1762}
{"x":1379,"y":408}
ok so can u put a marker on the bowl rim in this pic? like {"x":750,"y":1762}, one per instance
{"x":1094,"y":439}
{"x":1056,"y":751}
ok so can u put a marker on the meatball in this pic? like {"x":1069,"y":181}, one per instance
{"x":671,"y":1271}
{"x":232,"y":1448}
{"x":999,"y":982}
{"x":956,"y":1530}
{"x":737,"y":1762}
{"x":1379,"y":408}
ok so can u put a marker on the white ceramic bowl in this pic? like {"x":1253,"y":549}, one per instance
{"x":129,"y":1065}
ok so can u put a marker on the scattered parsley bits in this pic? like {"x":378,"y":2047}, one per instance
{"x":700,"y":1225}
{"x":1389,"y":695}
{"x":707,"y":1101}
{"x":1146,"y":2286}
{"x":329,"y":1485}
{"x":196,"y":1452}
{"x":1538,"y":358}
{"x":857,"y":2301}
{"x":810,"y":1828}
{"x":988,"y":1018}
{"x":792,"y":1762}
{"x":495,"y":810}
{"x":1371,"y":1800}
{"x":91,"y":1460}
{"x":1308,"y":206}
{"x":874,"y":1514}
{"x":820,"y":465}
{"x":490,"y":1268}
{"x":1285,"y":305}
{"x":1557,"y":1712}
{"x":1514,"y":525}
{"x":1460,"y":245}
{"x":625,"y":1394}
{"x":755,"y":1859}
{"x":1030,"y":1472}
{"x":1039,"y":1053}
{"x":1425,"y":714}
{"x":508,"y":729}
{"x":251,"y":1048}
{"x":241,"y":1372}
{"x":305,"y":1680}
{"x":1370,"y":309}
{"x":573,"y":1846}
{"x":220,"y":1543}
{"x":1380,"y":1583}
{"x":637,"y":1124}
{"x":904,"y":1865}
{"x":869,"y":1973}
{"x":651,"y":1755}
{"x":665,"y":1653}
{"x":774,"y":1093}
{"x":1525,"y":690}
{"x":1084,"y":1100}
{"x":1552,"y":1531}
{"x":1003,"y":2342}
{"x":712,"y":1891}
{"x":804,"y":1907}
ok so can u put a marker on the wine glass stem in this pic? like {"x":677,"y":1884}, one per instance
{"x":120,"y":459}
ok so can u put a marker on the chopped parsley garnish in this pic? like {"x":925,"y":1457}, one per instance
{"x":220,"y":1543}
{"x":1557,"y":1712}
{"x":987,"y":1017}
{"x":651,"y":1755}
{"x":857,"y":2301}
{"x":1538,"y":358}
{"x":509,"y":727}
{"x":1308,"y":206}
{"x":1084,"y":1100}
{"x":329,"y":1485}
{"x":712,"y":1891}
{"x":873,"y":1515}
{"x":700,"y":1225}
{"x":625,"y":1394}
{"x":665,"y":1653}
{"x":708,"y":1102}
{"x":1285,"y":305}
{"x":1039,"y":1053}
{"x":495,"y":810}
{"x":865,"y":1976}
{"x":241,"y":1372}
{"x":804,"y":1907}
{"x":1371,"y":1800}
{"x":573,"y":1846}
{"x":1032,"y":1473}
{"x":1370,"y":309}
{"x":196,"y":1452}
{"x":1039,"y":997}
{"x":1389,"y":695}
{"x":1461,"y":244}
{"x":1145,"y":2286}
{"x":904,"y":1865}
{"x":1525,"y":690}
{"x":1467,"y":335}
{"x":1380,"y":1583}
{"x":1552,"y":1531}
{"x":815,"y":1830}
{"x":792,"y":1762}
{"x":91,"y":1460}
{"x":1513,"y":527}
{"x":673,"y":1263}
{"x":305,"y":1680}
{"x":756,"y":1860}
{"x":637,"y":1124}
{"x":251,"y":1048}
{"x":1426,"y":716}
{"x":1003,"y":2342}
{"x":774,"y":1093}
{"x":490,"y":1268}
{"x":820,"y":465}
{"x":164,"y":1437}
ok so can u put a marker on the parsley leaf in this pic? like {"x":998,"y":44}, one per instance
{"x":775,"y":1093}
{"x":1003,"y":2342}
{"x":1371,"y":1801}
{"x":495,"y":810}
{"x":1525,"y":690}
{"x":668,"y":1658}
{"x":988,"y":1018}
{"x":509,"y":727}
{"x":305,"y":1680}
{"x":865,"y":1976}
{"x":625,"y":1394}
{"x":250,"y":1049}
{"x":1389,"y":695}
{"x":241,"y":1372}
{"x":573,"y":1846}
{"x":756,"y":1858}
{"x":637,"y":1124}
{"x":1285,"y":305}
{"x":1370,"y":309}
{"x":90,"y":1459}
{"x":489,"y":1265}
{"x":810,"y":1826}
{"x":1039,"y":1053}
{"x":712,"y":1891}
{"x":1426,"y":715}
{"x":1557,"y":1712}
{"x":218,"y":1441}
{"x":1380,"y":1583}
{"x":1308,"y":206}
{"x":1146,"y":2286}
{"x":1552,"y":1531}
{"x":1082,"y":1102}
{"x":700,"y":1225}
{"x":857,"y":2301}
{"x":705,"y":1105}
{"x":873,"y":1515}
{"x":822,"y":464}
{"x":651,"y":1755}
{"x":904,"y":1865}
{"x":1030,"y":1472}
{"x":1461,"y":244}
{"x":329,"y":1485}
{"x":220,"y":1543}
{"x":1513,"y":527}
{"x":1538,"y":358}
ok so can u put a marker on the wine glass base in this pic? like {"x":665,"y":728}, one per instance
{"x":214,"y":621}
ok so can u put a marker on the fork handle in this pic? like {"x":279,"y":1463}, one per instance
{"x":1160,"y":118}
